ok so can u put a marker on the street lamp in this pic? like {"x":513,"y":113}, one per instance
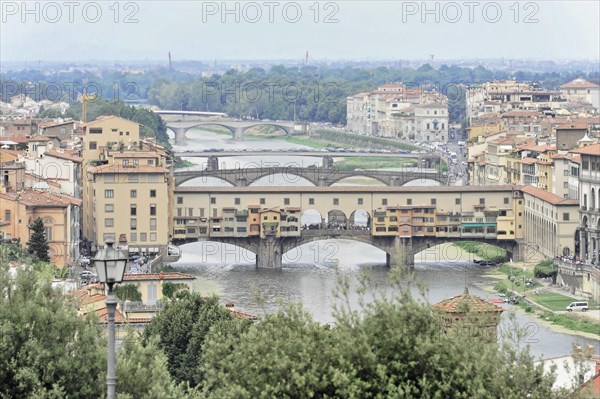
{"x":110,"y":266}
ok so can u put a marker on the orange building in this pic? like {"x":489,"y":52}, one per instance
{"x":60,"y":214}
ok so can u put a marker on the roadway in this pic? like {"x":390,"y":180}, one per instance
{"x":302,"y":153}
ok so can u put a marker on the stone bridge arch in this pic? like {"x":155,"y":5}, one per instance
{"x":182,"y":177}
{"x":289,"y":243}
{"x":287,"y":129}
{"x":336,"y":179}
{"x":252,"y":177}
{"x":237,"y":129}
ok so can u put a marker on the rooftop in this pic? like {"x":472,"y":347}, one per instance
{"x":458,"y":303}
{"x":549,"y":197}
{"x":593,"y":149}
{"x":42,"y":198}
{"x":579,"y":83}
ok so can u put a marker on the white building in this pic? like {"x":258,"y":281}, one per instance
{"x":60,"y":169}
{"x":581,"y":90}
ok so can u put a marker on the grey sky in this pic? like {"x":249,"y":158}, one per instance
{"x":364,"y":30}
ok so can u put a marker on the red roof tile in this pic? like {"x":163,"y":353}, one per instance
{"x":458,"y":303}
{"x":593,"y":149}
{"x":548,"y":196}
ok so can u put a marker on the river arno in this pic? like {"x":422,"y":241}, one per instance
{"x":309,"y":274}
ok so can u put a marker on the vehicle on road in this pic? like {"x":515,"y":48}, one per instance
{"x":583,"y":306}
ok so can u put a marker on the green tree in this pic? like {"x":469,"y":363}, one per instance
{"x":38,"y":245}
{"x":392,"y":347}
{"x":48,"y":351}
{"x":128,"y":292}
{"x":182,"y":327}
{"x":170,"y":289}
{"x":142,"y":371}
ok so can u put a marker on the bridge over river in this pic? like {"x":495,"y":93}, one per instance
{"x":401,"y":221}
{"x":318,"y":176}
{"x":400,"y":251}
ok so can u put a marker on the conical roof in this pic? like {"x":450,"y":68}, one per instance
{"x":458,"y":304}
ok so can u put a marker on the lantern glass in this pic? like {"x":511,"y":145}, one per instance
{"x":110,"y":264}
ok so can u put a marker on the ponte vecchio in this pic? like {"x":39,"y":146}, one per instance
{"x":401,"y":221}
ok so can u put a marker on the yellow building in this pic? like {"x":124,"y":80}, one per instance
{"x":151,"y":285}
{"x":550,"y":222}
{"x":131,"y":206}
{"x":127,"y":186}
{"x":475,"y":131}
{"x":108,"y":129}
{"x":270,"y":222}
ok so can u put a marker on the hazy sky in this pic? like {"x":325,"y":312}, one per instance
{"x":284,"y":30}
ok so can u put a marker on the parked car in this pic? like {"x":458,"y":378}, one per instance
{"x":583,"y":306}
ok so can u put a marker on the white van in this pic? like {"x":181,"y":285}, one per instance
{"x":583,"y":306}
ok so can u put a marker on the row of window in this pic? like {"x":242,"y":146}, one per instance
{"x":131,"y":178}
{"x":133,"y":237}
{"x":110,"y":208}
{"x":585,"y":165}
{"x":110,"y":193}
{"x":110,"y":222}
{"x":98,"y":130}
{"x":336,"y":201}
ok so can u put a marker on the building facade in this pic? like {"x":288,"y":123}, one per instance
{"x":550,"y":223}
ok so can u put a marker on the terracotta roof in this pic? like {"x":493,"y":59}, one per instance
{"x":527,"y":161}
{"x":39,"y":138}
{"x":579,"y":83}
{"x":458,"y":303}
{"x":549,"y":197}
{"x":42,"y":198}
{"x":34,"y":177}
{"x":63,"y":155}
{"x":593,"y":149}
{"x":103,"y":118}
{"x":102,"y":314}
{"x":158,"y":276}
{"x":242,"y":315}
{"x":561,"y":156}
{"x":536,"y":148}
{"x":118,"y":168}
{"x":521,"y":113}
{"x":52,"y":124}
{"x":16,"y":139}
{"x":573,"y":125}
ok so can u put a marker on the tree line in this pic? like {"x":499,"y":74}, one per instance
{"x":310,"y":93}
{"x":392,"y":347}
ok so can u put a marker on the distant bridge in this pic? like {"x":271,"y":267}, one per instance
{"x":316,"y":176}
{"x":425,"y":161}
{"x":183,"y":114}
{"x":237,"y":128}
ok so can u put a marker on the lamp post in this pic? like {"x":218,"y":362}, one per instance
{"x":110,"y":266}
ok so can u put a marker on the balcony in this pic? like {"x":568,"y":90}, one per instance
{"x":139,"y":306}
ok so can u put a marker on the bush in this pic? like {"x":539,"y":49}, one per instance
{"x":545,"y":268}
